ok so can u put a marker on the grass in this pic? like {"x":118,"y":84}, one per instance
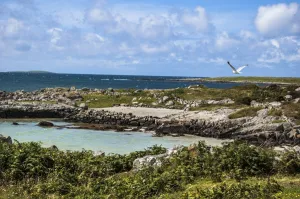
{"x":289,"y":80}
{"x":242,"y":95}
{"x":245,"y":112}
{"x":278,"y":121}
{"x":275,"y":112}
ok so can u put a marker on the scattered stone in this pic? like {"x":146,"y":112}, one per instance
{"x":15,"y":123}
{"x":5,"y":139}
{"x":170,"y":103}
{"x":45,"y":124}
{"x":297,"y":89}
{"x":165,"y":98}
{"x":288,"y":97}
{"x":53,"y":147}
{"x":99,"y":153}
{"x":83,"y":106}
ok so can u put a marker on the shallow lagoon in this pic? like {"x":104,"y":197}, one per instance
{"x":107,"y":141}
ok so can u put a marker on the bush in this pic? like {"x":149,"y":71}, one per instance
{"x":238,"y":191}
{"x":244,"y":100}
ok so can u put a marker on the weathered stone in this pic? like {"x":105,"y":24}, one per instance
{"x":165,"y":98}
{"x":45,"y":124}
{"x":170,"y":103}
{"x":4,"y":139}
{"x":288,"y":97}
{"x":83,"y":106}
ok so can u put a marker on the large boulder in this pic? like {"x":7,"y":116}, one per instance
{"x":155,"y":160}
{"x":45,"y":124}
{"x":83,"y":106}
{"x":148,"y":161}
{"x":5,"y":139}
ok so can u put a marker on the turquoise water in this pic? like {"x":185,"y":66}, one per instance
{"x":107,"y":141}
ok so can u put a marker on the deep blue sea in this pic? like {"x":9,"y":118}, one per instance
{"x":10,"y":81}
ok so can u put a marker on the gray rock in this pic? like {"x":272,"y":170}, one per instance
{"x":5,"y":139}
{"x":110,"y":89}
{"x":288,"y":97}
{"x":165,"y":98}
{"x":274,"y":104}
{"x":99,"y":153}
{"x":148,"y":161}
{"x":45,"y":124}
{"x":170,"y":103}
{"x":297,"y":89}
{"x":83,"y":106}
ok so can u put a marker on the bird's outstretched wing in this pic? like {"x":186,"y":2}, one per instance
{"x":241,"y":68}
{"x":231,"y":66}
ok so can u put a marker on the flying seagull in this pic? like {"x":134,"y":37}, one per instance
{"x":237,"y":71}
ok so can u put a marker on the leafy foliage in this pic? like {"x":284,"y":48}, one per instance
{"x":27,"y":169}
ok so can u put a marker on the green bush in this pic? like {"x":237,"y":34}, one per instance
{"x":237,"y":191}
{"x":30,"y":171}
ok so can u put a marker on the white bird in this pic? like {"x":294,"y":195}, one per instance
{"x":237,"y":71}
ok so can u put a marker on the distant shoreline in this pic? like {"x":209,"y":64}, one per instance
{"x":253,"y":80}
{"x":31,"y":71}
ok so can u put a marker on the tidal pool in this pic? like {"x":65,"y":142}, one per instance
{"x":107,"y":141}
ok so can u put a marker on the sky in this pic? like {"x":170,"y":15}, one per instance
{"x":135,"y":37}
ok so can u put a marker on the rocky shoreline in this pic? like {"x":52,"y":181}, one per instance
{"x":260,"y":129}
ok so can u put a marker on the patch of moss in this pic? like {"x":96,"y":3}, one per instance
{"x":245,"y":112}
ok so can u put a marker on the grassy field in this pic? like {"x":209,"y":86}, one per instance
{"x":288,"y":80}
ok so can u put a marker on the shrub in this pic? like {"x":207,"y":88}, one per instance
{"x":237,"y":191}
{"x":244,"y":100}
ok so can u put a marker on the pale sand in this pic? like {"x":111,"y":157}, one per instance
{"x":216,"y":115}
{"x":142,"y":112}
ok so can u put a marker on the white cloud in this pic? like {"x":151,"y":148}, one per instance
{"x":275,"y":43}
{"x":277,"y":19}
{"x":244,"y":34}
{"x":224,"y":41}
{"x":11,"y":28}
{"x":197,"y":20}
{"x":100,"y":15}
{"x":154,"y":27}
{"x":146,"y":48}
{"x":94,"y":38}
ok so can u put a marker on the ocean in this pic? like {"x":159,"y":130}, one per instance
{"x":13,"y":81}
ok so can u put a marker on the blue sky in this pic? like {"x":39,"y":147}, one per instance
{"x":173,"y":37}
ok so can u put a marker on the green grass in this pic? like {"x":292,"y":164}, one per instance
{"x":275,"y":112}
{"x":290,"y":80}
{"x":245,"y":112}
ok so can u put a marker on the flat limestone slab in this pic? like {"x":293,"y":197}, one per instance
{"x":142,"y":111}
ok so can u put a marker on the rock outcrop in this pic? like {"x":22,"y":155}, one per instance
{"x":5,"y":139}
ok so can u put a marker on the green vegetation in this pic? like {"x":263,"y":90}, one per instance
{"x":289,"y":80}
{"x":235,"y":170}
{"x":245,"y":112}
{"x":242,"y":95}
{"x":275,"y":112}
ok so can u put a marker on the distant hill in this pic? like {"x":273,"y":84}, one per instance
{"x":31,"y":71}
